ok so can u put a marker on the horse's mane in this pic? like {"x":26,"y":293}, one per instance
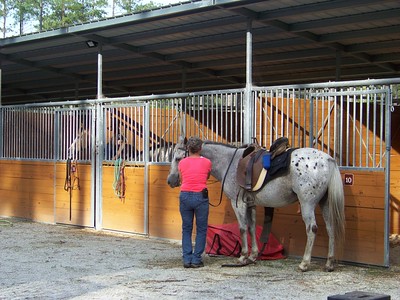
{"x":223,"y":144}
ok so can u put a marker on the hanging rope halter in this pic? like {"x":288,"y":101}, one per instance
{"x":119,"y":178}
{"x":71,"y":181}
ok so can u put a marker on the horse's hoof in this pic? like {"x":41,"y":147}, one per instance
{"x":329,"y":268}
{"x":242,"y":260}
{"x":303,"y":267}
{"x":250,"y":261}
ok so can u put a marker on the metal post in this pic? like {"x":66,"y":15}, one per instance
{"x":100,"y":73}
{"x":388,"y":139}
{"x":146,"y":168}
{"x":97,"y":164}
{"x":1,"y":116}
{"x":248,"y":105}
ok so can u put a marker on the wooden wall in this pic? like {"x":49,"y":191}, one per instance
{"x":27,"y":190}
{"x":364,"y":217}
{"x":78,"y":209}
{"x":364,"y":209}
{"x":164,"y":216}
{"x":124,"y":213}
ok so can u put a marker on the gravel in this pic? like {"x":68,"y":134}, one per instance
{"x":42,"y":261}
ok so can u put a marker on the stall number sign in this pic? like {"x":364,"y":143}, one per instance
{"x":348,"y":179}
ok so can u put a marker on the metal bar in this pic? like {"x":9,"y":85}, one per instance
{"x":248,"y":105}
{"x":374,"y":134}
{"x":146,"y":116}
{"x":361,"y":129}
{"x":388,"y":138}
{"x":354,"y":130}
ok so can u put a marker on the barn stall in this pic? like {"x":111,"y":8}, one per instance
{"x":103,"y":163}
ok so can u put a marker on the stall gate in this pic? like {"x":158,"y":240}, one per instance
{"x":108,"y":159}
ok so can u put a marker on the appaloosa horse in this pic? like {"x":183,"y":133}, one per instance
{"x":312,"y":178}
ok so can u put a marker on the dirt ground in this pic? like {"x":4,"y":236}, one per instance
{"x":40,"y":261}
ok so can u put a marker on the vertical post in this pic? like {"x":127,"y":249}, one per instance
{"x":1,"y":115}
{"x":146,"y":132}
{"x":100,"y":73}
{"x":97,"y":156}
{"x":311,"y":116}
{"x":97,"y":151}
{"x":1,"y":85}
{"x":248,"y":106}
{"x":388,"y":144}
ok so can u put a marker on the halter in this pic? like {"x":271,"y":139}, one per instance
{"x":184,"y":149}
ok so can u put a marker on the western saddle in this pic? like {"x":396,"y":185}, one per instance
{"x":250,"y":171}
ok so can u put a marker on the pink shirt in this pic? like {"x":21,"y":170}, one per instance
{"x":194,"y":173}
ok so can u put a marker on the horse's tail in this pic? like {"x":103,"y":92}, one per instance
{"x":336,"y":205}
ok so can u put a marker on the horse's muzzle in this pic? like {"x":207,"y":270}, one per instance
{"x":173,"y":180}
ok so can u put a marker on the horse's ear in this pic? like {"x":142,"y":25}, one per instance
{"x":182,"y":140}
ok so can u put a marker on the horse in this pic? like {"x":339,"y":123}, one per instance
{"x":312,"y":178}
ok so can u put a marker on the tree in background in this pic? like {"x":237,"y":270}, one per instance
{"x":23,"y":11}
{"x":5,"y":10}
{"x":132,"y":6}
{"x":62,"y":13}
{"x":45,"y":15}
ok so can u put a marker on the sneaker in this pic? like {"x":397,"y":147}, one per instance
{"x":199,"y":265}
{"x":188,"y":265}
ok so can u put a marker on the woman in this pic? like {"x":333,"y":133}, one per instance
{"x":194,"y":171}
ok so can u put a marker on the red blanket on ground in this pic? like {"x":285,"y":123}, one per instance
{"x":225,"y":240}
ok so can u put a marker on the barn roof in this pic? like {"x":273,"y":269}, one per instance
{"x":201,"y":45}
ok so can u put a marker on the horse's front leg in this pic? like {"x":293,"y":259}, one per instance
{"x":248,"y":223}
{"x":240,"y":208}
{"x":251,"y":219}
{"x":245,"y":248}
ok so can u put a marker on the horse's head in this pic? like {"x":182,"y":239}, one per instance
{"x":178,"y":154}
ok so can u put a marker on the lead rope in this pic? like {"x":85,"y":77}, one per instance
{"x":119,"y":178}
{"x":223,"y":180}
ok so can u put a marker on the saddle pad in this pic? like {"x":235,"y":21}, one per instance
{"x":279,"y":165}
{"x":225,"y":240}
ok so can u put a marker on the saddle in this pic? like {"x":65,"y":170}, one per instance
{"x":251,"y":173}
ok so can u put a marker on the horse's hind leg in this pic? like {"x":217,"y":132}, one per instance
{"x":307,"y":211}
{"x":329,"y":266}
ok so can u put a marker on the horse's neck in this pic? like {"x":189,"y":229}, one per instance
{"x":221,"y":158}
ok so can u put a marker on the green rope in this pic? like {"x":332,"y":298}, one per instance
{"x":118,"y":189}
{"x":6,"y":223}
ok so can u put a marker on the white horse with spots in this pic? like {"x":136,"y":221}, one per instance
{"x":312,"y":178}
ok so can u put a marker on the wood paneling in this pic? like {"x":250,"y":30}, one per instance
{"x":27,"y":190}
{"x":80,"y":207}
{"x":164,"y":216}
{"x":364,"y":209}
{"x":127,"y":213}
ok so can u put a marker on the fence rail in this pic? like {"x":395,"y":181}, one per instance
{"x":346,"y":120}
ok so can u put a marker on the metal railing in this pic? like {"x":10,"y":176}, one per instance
{"x":347,"y":120}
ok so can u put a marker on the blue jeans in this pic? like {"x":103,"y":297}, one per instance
{"x":192,"y":204}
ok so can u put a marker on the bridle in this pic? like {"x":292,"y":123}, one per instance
{"x":223,"y":180}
